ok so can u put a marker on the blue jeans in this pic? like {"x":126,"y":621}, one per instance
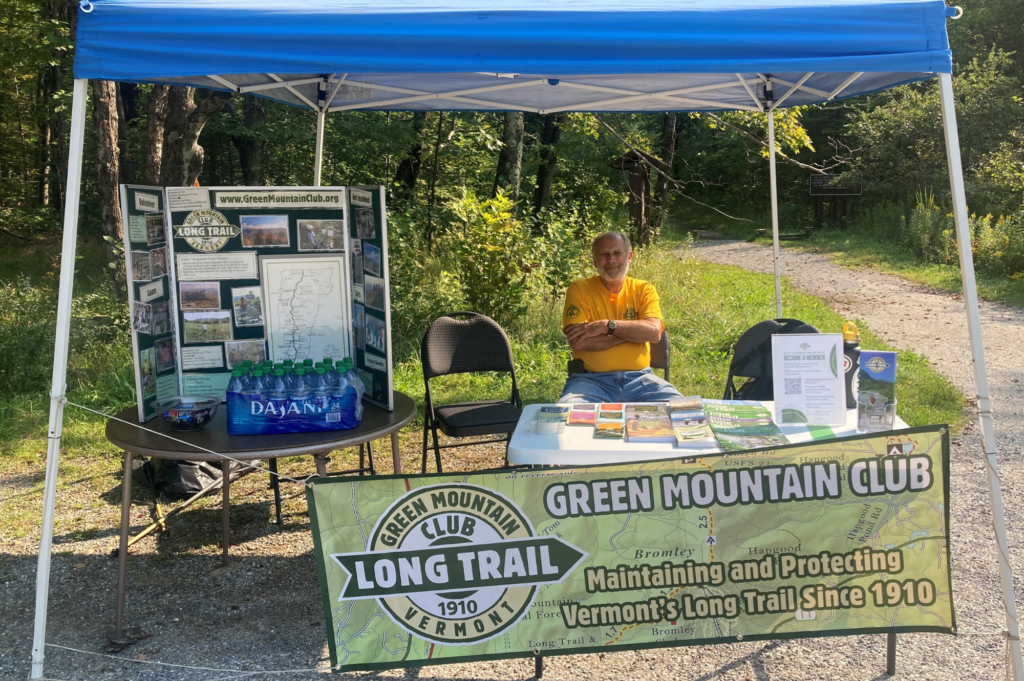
{"x":618,"y":386}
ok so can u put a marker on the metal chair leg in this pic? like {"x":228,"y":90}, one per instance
{"x":426,"y":424}
{"x":362,"y":455}
{"x":437,"y":448}
{"x":369,"y":453}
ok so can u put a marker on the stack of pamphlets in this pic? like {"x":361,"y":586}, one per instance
{"x":550,"y":420}
{"x":610,"y":422}
{"x":648,"y":423}
{"x":739,"y":425}
{"x":583,"y":415}
{"x":690,"y":424}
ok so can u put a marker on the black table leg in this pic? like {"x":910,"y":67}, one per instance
{"x":890,"y":655}
{"x":538,"y":667}
{"x":275,"y":485}
{"x":122,"y":552}
{"x":226,"y":511}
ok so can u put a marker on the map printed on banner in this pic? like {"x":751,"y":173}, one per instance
{"x":806,"y":540}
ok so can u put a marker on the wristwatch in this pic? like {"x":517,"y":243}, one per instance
{"x":611,"y":327}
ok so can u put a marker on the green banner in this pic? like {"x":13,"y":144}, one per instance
{"x":847,"y":536}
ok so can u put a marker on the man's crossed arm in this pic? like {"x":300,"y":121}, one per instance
{"x":594,"y":335}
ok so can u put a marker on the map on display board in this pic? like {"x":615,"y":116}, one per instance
{"x":149,"y":296}
{"x":261,"y":273}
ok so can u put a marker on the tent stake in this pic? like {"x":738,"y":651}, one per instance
{"x":60,"y":369}
{"x":775,"y":214}
{"x":963,"y":242}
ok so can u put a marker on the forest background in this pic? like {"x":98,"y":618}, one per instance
{"x":490,"y":212}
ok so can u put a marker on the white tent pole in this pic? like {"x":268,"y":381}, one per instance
{"x":775,"y":214}
{"x":963,"y":240}
{"x":60,"y":369}
{"x":318,"y":156}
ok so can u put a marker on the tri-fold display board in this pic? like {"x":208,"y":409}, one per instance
{"x":256,"y":273}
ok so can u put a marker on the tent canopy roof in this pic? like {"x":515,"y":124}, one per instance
{"x":544,"y":56}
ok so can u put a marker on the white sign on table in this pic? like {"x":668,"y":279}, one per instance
{"x":808,"y":379}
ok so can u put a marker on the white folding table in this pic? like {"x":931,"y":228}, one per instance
{"x":576,"y":446}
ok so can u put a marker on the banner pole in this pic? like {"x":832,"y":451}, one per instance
{"x":963,"y":241}
{"x":775,"y":212}
{"x":60,"y":369}
{"x":318,"y":156}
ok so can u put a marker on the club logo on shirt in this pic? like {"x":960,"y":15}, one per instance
{"x":630,"y":313}
{"x":572,"y":312}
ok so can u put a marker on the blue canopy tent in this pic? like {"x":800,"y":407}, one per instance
{"x":540,"y":56}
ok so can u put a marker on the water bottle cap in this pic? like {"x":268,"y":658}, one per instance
{"x":347,"y":360}
{"x":289,"y":369}
{"x":308,"y":362}
{"x":279,"y":372}
{"x":318,"y":365}
{"x":320,"y":371}
{"x":850,"y":332}
{"x":328,"y":360}
{"x":236,"y":373}
{"x":300,"y":371}
{"x":289,"y":362}
{"x":257,"y":373}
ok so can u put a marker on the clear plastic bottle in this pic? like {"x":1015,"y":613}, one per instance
{"x":300,"y":388}
{"x":257,"y":386}
{"x":321,"y":389}
{"x":235,"y":385}
{"x":332,"y":373}
{"x":289,"y":375}
{"x":277,"y":390}
{"x":356,"y":385}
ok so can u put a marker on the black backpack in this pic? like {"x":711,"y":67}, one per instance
{"x":752,"y":359}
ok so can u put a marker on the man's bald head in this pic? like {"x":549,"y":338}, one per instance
{"x":612,"y":254}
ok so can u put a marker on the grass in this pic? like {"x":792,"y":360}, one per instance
{"x":856,"y":249}
{"x":706,"y":308}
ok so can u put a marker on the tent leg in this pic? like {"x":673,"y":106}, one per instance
{"x":775,"y":214}
{"x":318,"y":156}
{"x":963,"y":239}
{"x":60,"y":369}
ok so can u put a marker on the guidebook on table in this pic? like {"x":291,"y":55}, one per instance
{"x":742,"y":424}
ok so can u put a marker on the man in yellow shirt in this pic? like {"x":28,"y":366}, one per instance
{"x":610,"y":321}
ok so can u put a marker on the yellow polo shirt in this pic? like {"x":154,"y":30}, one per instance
{"x":587,"y":300}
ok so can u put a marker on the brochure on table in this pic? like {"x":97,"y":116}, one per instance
{"x":371,"y":292}
{"x":266,"y":273}
{"x":808,"y":379}
{"x":149,"y":296}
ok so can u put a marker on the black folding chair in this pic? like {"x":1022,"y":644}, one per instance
{"x":752,"y":359}
{"x":660,"y":354}
{"x":467,"y":342}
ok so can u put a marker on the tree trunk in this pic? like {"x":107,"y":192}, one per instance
{"x":251,"y":144}
{"x":127,"y":113}
{"x":668,"y":153}
{"x":549,"y":137}
{"x":43,"y":149}
{"x":510,"y":161}
{"x":104,"y":116}
{"x":182,"y":156}
{"x":156,"y":118}
{"x":408,"y":170}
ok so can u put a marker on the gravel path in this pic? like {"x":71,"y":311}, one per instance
{"x":264,"y":612}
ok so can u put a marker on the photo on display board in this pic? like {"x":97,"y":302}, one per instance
{"x":147,"y":371}
{"x":140,"y":266}
{"x":247,"y":303}
{"x":199,"y":295}
{"x":156,"y":232}
{"x":366,"y":228}
{"x":164,"y":354}
{"x":371,"y":259}
{"x":376,"y":334}
{"x":321,"y":235}
{"x":142,"y":318}
{"x":161,"y":318}
{"x":359,"y":325}
{"x":357,"y":292}
{"x":357,"y":261}
{"x":207,"y":326}
{"x":158,"y":262}
{"x":373,"y":291}
{"x":265,"y":231}
{"x":239,"y":351}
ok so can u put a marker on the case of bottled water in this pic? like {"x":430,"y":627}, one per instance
{"x":294,"y":397}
